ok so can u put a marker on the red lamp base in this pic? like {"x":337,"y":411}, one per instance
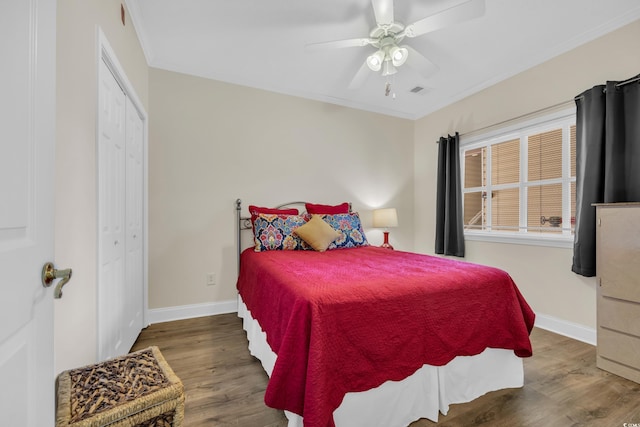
{"x":386,"y":241}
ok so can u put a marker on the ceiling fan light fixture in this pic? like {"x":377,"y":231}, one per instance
{"x":375,"y":60}
{"x":387,"y":34}
{"x":398,"y":55}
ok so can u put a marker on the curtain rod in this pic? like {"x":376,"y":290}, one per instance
{"x":520,"y":117}
{"x":631,"y":80}
{"x":541,"y":110}
{"x":617,"y":85}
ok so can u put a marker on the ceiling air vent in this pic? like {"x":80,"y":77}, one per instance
{"x":417,"y":89}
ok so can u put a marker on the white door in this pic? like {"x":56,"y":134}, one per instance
{"x":111,"y":214}
{"x":27,"y":126}
{"x":134,"y":283}
{"x":121,"y":218}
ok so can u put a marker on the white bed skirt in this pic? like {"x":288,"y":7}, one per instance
{"x":430,"y":390}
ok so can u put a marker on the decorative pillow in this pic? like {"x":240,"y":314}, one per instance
{"x":275,"y":232}
{"x":255,"y":210}
{"x":350,"y":228}
{"x":327,"y":209}
{"x":317,"y":233}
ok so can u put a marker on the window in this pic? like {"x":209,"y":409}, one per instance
{"x":519,"y":183}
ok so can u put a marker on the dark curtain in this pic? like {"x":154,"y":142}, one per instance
{"x":607,"y":160}
{"x":449,"y":230}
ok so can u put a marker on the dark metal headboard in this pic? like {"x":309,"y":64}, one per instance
{"x":244,"y":222}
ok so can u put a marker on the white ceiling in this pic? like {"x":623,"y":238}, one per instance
{"x":261,"y":44}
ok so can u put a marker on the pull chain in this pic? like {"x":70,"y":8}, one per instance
{"x":387,"y":89}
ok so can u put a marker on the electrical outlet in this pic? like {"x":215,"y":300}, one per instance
{"x":211,"y":279}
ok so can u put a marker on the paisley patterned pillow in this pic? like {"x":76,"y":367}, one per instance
{"x":350,"y":228}
{"x":275,"y":232}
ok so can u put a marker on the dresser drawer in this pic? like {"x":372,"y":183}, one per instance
{"x":619,"y":315}
{"x":619,"y":347}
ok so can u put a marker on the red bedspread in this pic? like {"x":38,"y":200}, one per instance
{"x":348,"y":320}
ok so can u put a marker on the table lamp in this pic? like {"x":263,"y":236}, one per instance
{"x":385,"y":218}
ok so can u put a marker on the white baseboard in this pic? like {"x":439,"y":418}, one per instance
{"x":167,"y":314}
{"x":566,"y":328}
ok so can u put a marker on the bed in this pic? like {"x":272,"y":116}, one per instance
{"x":356,"y":335}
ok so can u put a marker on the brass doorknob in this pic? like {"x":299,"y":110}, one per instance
{"x":50,"y":273}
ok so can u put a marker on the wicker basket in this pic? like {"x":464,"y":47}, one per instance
{"x":138,"y":389}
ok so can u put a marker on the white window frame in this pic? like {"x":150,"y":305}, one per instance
{"x":559,"y":119}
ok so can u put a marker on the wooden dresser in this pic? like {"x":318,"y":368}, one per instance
{"x":618,"y":289}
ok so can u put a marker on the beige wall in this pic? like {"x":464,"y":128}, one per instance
{"x":75,"y":210}
{"x":543,"y":274}
{"x":212,"y":142}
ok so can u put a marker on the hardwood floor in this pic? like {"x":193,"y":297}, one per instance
{"x":224,"y":384}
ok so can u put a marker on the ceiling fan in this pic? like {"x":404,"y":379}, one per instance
{"x":388,"y":33}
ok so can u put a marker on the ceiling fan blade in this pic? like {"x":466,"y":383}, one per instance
{"x":338,"y":44}
{"x":462,"y":12}
{"x":383,"y":10}
{"x":420,"y":63}
{"x":360,"y":77}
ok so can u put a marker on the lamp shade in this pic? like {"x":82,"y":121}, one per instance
{"x":374,"y":61}
{"x":385,"y":218}
{"x":388,"y":68}
{"x":398,"y":55}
